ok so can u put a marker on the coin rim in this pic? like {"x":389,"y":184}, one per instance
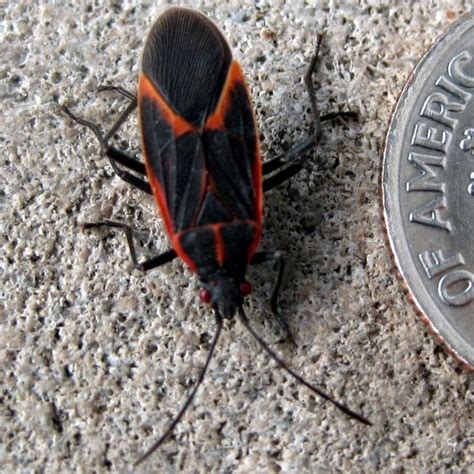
{"x":384,"y":186}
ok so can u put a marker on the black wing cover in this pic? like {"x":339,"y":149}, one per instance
{"x":206,"y":174}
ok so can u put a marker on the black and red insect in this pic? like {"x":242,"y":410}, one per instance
{"x":204,"y":169}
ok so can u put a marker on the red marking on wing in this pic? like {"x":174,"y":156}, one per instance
{"x":182,"y":254}
{"x":178,"y":124}
{"x":161,"y":201}
{"x":256,"y":240}
{"x":258,"y":202}
{"x":219,"y":242}
{"x":216,"y":120}
{"x":160,"y":198}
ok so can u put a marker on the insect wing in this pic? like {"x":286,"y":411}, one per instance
{"x":198,"y":129}
{"x":233,"y":154}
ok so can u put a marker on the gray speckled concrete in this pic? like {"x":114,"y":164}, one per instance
{"x":95,"y":358}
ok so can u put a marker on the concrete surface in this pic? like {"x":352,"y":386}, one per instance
{"x":96,"y":358}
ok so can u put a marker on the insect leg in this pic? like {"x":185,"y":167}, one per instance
{"x":116,"y":156}
{"x":281,"y":176}
{"x":308,"y":79}
{"x":349,"y":114}
{"x":120,"y":121}
{"x":120,"y":90}
{"x":296,"y":152}
{"x":153,"y":262}
{"x":278,"y":257}
{"x":300,"y":148}
{"x":124,"y":159}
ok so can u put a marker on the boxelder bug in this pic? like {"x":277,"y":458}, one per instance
{"x":203,"y":167}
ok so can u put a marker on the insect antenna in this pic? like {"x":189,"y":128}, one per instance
{"x":178,"y":417}
{"x":243,"y":318}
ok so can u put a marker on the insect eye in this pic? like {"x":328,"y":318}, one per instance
{"x":205,"y":295}
{"x":245,"y":288}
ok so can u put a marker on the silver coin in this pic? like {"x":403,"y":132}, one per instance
{"x":428,"y":188}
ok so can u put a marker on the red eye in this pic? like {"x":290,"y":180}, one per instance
{"x":245,"y":288}
{"x":205,"y":295}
